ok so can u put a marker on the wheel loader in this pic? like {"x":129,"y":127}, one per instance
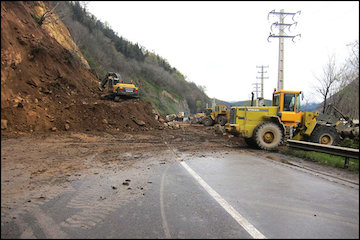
{"x":220,"y":115}
{"x":267,"y":127}
{"x":118,"y":88}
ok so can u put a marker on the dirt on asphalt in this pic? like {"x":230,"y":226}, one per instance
{"x":39,"y":166}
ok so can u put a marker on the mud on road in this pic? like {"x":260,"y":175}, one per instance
{"x":36,"y":168}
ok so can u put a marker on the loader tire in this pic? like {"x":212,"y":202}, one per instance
{"x":268,"y":136}
{"x":208,"y":121}
{"x":325,"y":135}
{"x":222,"y":120}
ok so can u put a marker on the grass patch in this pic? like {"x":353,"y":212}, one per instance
{"x":350,"y":142}
{"x":323,"y":158}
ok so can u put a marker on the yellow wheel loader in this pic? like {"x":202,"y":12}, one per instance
{"x":118,"y":88}
{"x":268,"y":127}
{"x":220,"y":115}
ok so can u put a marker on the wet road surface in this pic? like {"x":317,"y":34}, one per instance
{"x":166,"y":201}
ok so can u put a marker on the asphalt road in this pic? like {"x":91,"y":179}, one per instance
{"x":227,"y":195}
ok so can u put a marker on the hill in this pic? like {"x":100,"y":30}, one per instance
{"x":160,"y":84}
{"x":45,"y":82}
{"x":346,"y":100}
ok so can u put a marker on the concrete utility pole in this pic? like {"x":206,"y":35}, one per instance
{"x":262,"y":79}
{"x":256,"y":89}
{"x":282,"y":34}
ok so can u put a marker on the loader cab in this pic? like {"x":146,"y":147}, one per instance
{"x":220,"y":108}
{"x":288,"y":103}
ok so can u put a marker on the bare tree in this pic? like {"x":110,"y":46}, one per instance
{"x":46,"y":15}
{"x":347,"y":95}
{"x":327,"y":82}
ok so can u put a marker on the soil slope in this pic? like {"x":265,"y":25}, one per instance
{"x":44,"y":87}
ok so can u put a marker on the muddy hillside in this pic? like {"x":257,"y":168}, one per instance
{"x":46,"y":85}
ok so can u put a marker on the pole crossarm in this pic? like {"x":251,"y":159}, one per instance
{"x":284,"y":13}
{"x":288,"y":25}
{"x":283,"y":36}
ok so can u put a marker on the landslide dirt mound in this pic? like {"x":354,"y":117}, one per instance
{"x":44,"y":87}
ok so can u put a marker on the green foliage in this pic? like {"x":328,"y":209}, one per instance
{"x":199,"y":106}
{"x":323,"y":158}
{"x":350,"y":143}
{"x":37,"y":20}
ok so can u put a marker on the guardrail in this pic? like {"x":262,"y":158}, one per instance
{"x":333,"y":150}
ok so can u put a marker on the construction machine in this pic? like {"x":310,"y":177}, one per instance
{"x":118,"y":88}
{"x":180,"y":116}
{"x":268,"y":127}
{"x":219,"y":115}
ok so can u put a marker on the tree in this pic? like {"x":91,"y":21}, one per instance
{"x":347,"y":92}
{"x":46,"y":15}
{"x":327,"y":82}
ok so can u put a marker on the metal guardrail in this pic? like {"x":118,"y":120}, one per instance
{"x":333,"y":150}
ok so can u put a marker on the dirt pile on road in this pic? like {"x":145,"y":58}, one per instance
{"x":44,"y":87}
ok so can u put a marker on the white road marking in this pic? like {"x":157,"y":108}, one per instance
{"x":235,"y":214}
{"x":162,"y":208}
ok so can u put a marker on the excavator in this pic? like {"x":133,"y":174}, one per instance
{"x":118,"y":88}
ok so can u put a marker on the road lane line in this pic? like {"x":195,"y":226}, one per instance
{"x":162,"y":207}
{"x":48,"y":225}
{"x":235,"y":214}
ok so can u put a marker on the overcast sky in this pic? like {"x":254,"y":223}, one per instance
{"x":218,"y":44}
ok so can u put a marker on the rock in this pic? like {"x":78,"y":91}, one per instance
{"x":173,"y":125}
{"x":170,"y":117}
{"x":218,"y":129}
{"x":125,"y":183}
{"x":139,"y":122}
{"x":67,"y":126}
{"x":105,"y":121}
{"x":113,"y":187}
{"x":4,"y":123}
{"x":53,"y":129}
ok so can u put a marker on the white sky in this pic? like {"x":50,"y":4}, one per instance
{"x":218,"y":44}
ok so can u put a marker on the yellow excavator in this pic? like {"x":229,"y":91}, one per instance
{"x":118,"y":88}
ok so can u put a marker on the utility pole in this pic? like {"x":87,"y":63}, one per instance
{"x":256,"y":92}
{"x":256,"y":89}
{"x":282,"y":34}
{"x":262,"y":79}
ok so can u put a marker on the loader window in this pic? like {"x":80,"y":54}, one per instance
{"x":298,"y":103}
{"x":276,"y":100}
{"x":289,"y":102}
